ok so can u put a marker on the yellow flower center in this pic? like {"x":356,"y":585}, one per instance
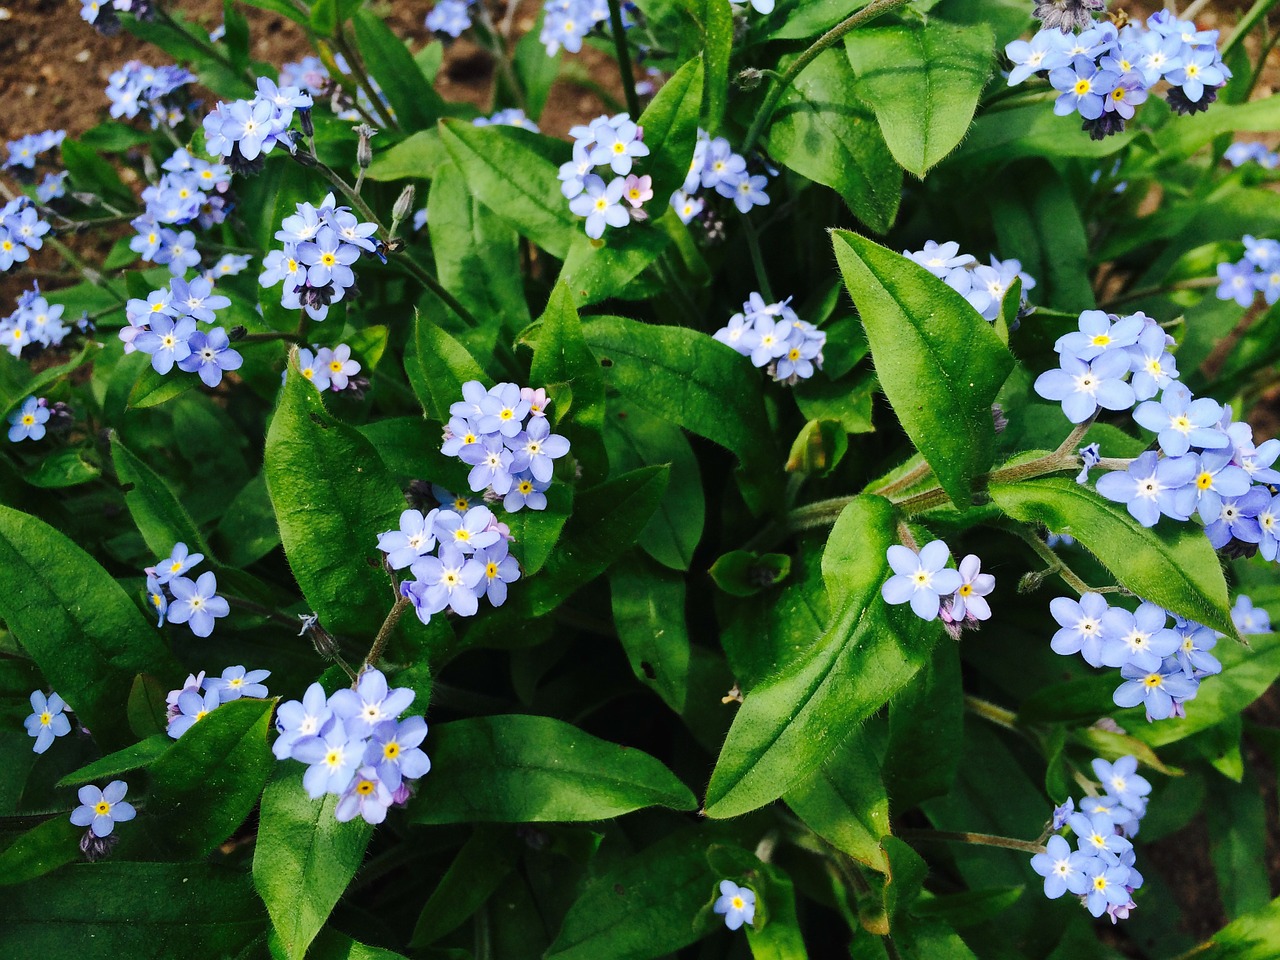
{"x":1204,"y":481}
{"x":1153,"y":680}
{"x":1082,"y":87}
{"x":965,"y":589}
{"x":364,"y":787}
{"x":738,"y":903}
{"x":391,"y":750}
{"x":461,"y":503}
{"x":102,"y":808}
{"x":46,"y":718}
{"x":28,"y":420}
{"x":491,"y":570}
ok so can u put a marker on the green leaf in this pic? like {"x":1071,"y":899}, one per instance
{"x":13,"y":394}
{"x":82,"y":629}
{"x":535,"y":533}
{"x":939,"y":363}
{"x":790,"y":722}
{"x":303,"y":859}
{"x":90,"y":174}
{"x":640,"y":908}
{"x":64,"y":468}
{"x":160,"y":518}
{"x":532,"y":202}
{"x":152,"y":389}
{"x":744,"y":573}
{"x":716,"y":19}
{"x":822,"y":131}
{"x":332,"y":497}
{"x":670,"y":123}
{"x":562,"y":359}
{"x":114,"y":909}
{"x":247,"y":532}
{"x":438,"y":367}
{"x":926,"y":730}
{"x":204,"y":787}
{"x":649,"y":614}
{"x":477,"y":254}
{"x":41,"y":849}
{"x":331,"y":945}
{"x":923,"y":80}
{"x":477,"y":871}
{"x":844,"y":801}
{"x":808,"y":18}
{"x":683,"y":376}
{"x":526,"y":769}
{"x":1183,"y":136}
{"x":1252,"y":937}
{"x":774,"y":933}
{"x":849,"y":401}
{"x":598,"y":269}
{"x":1169,"y":564}
{"x":141,"y":754}
{"x":818,"y":448}
{"x":536,"y":70}
{"x":1237,"y":820}
{"x":416,"y":157}
{"x":411,"y":95}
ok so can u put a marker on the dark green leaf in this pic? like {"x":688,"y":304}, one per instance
{"x":824,"y":132}
{"x":64,"y":468}
{"x":141,"y":754}
{"x":332,"y":497}
{"x":649,"y":614}
{"x":939,"y":363}
{"x":77,"y":623}
{"x":41,"y":849}
{"x":411,"y":95}
{"x":744,"y":573}
{"x":525,"y":769}
{"x":160,"y":518}
{"x":438,"y":367}
{"x":1237,"y":820}
{"x":481,"y":865}
{"x":844,"y":801}
{"x":205,"y":785}
{"x":1169,"y":564}
{"x":91,"y":175}
{"x":562,"y":359}
{"x":926,"y":727}
{"x":535,"y":533}
{"x":248,"y":531}
{"x":303,"y":859}
{"x":11,"y":395}
{"x":818,"y":448}
{"x":790,"y":722}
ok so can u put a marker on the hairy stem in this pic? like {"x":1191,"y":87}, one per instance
{"x":384,"y":632}
{"x":978,"y":839}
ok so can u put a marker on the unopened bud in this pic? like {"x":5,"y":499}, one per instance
{"x":749,"y":78}
{"x":1030,"y":582}
{"x":364,"y":148}
{"x":304,"y":118}
{"x":404,"y":204}
{"x":237,"y":332}
{"x":94,"y":847}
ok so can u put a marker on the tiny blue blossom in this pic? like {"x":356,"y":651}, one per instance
{"x":922,"y":579}
{"x":47,"y":720}
{"x":236,"y":682}
{"x":101,"y":809}
{"x":736,"y":904}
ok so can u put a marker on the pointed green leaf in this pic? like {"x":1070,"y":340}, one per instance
{"x":526,"y":769}
{"x":141,"y":754}
{"x":649,"y":613}
{"x":844,"y":801}
{"x":160,"y":517}
{"x":939,"y":363}
{"x":562,"y":359}
{"x":411,"y":95}
{"x":437,"y":368}
{"x":670,"y":123}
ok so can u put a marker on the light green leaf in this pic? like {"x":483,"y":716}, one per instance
{"x":64,"y":468}
{"x":416,"y":157}
{"x":332,"y":497}
{"x":82,"y":629}
{"x":141,"y":754}
{"x":160,"y":517}
{"x":303,"y":859}
{"x":790,"y":722}
{"x":670,"y":123}
{"x":939,"y":363}
{"x":411,"y":95}
{"x":598,"y":269}
{"x":526,"y":769}
{"x":923,"y":80}
{"x":437,"y":368}
{"x":649,"y":613}
{"x":824,"y":132}
{"x":1169,"y":564}
{"x":809,"y":18}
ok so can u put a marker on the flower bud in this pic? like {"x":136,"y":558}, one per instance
{"x":404,"y":204}
{"x":364,"y":149}
{"x":304,"y":118}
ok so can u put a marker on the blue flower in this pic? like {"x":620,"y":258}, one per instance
{"x":451,"y":17}
{"x":1158,"y":689}
{"x":192,"y":707}
{"x":1150,"y":487}
{"x":617,"y":145}
{"x":157,"y":599}
{"x":47,"y":720}
{"x":197,"y":298}
{"x":1047,"y":50}
{"x":393,"y":751}
{"x":1194,"y":642}
{"x":329,"y":259}
{"x":197,"y":604}
{"x":1106,"y":885}
{"x":295,"y":720}
{"x":970,"y":597}
{"x":745,"y":191}
{"x":1081,"y":625}
{"x":1100,"y":332}
{"x":499,"y":570}
{"x":526,"y":492}
{"x":1096,"y":834}
{"x":503,"y":410}
{"x":370,"y":703}
{"x":721,"y":163}
{"x":536,"y":449}
{"x":921,"y":578}
{"x":772,"y":338}
{"x":1214,"y":478}
{"x":331,"y":757}
{"x":415,"y":538}
{"x":1083,"y":88}
{"x":210,"y":355}
{"x":1248,"y":618}
{"x":601,"y":204}
{"x":1121,"y":780}
{"x":737,"y":904}
{"x":1153,"y":366}
{"x":490,"y":462}
{"x":178,"y":251}
{"x":1139,"y":638}
{"x":367,"y":797}
{"x":466,"y":532}
{"x":1061,"y":813}
{"x":28,"y":421}
{"x":450,"y":579}
{"x":1236,"y":283}
{"x":168,"y":341}
{"x":1182,"y":422}
{"x":1083,"y":387}
{"x":1090,"y":457}
{"x":101,"y":810}
{"x":1200,"y":68}
{"x":338,"y":364}
{"x":235,"y":683}
{"x":1063,"y":869}
{"x":312,"y":370}
{"x":1269,"y":526}
{"x":1238,"y":518}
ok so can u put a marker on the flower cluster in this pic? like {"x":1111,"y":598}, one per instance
{"x":320,"y":245}
{"x":194,"y":603}
{"x":1161,"y":666}
{"x":1105,"y":72}
{"x":200,"y":696}
{"x":330,"y":369}
{"x":1257,"y":272}
{"x":1238,"y":154}
{"x":1100,"y":871}
{"x":503,"y":434}
{"x":511,"y":117}
{"x":983,"y":285}
{"x":773,"y":336}
{"x":48,"y":720}
{"x":190,"y":189}
{"x":736,"y":904}
{"x":28,"y":421}
{"x":137,"y":87}
{"x":24,"y":151}
{"x":933,"y":589}
{"x":614,"y":142}
{"x":164,"y":326}
{"x":716,"y":167}
{"x":566,"y":23}
{"x":472,"y":560}
{"x":21,"y":231}
{"x":35,"y":321}
{"x":354,"y":745}
{"x":450,"y":17}
{"x":244,"y":131}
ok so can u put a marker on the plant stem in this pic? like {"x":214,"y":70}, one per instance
{"x":978,"y":839}
{"x":875,"y":9}
{"x":498,"y":48}
{"x":989,"y":711}
{"x":86,"y":271}
{"x":904,"y":482}
{"x":384,"y":632}
{"x":757,"y":259}
{"x":1195,"y":283}
{"x":362,"y":78}
{"x":624,"y":59}
{"x":259,"y":609}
